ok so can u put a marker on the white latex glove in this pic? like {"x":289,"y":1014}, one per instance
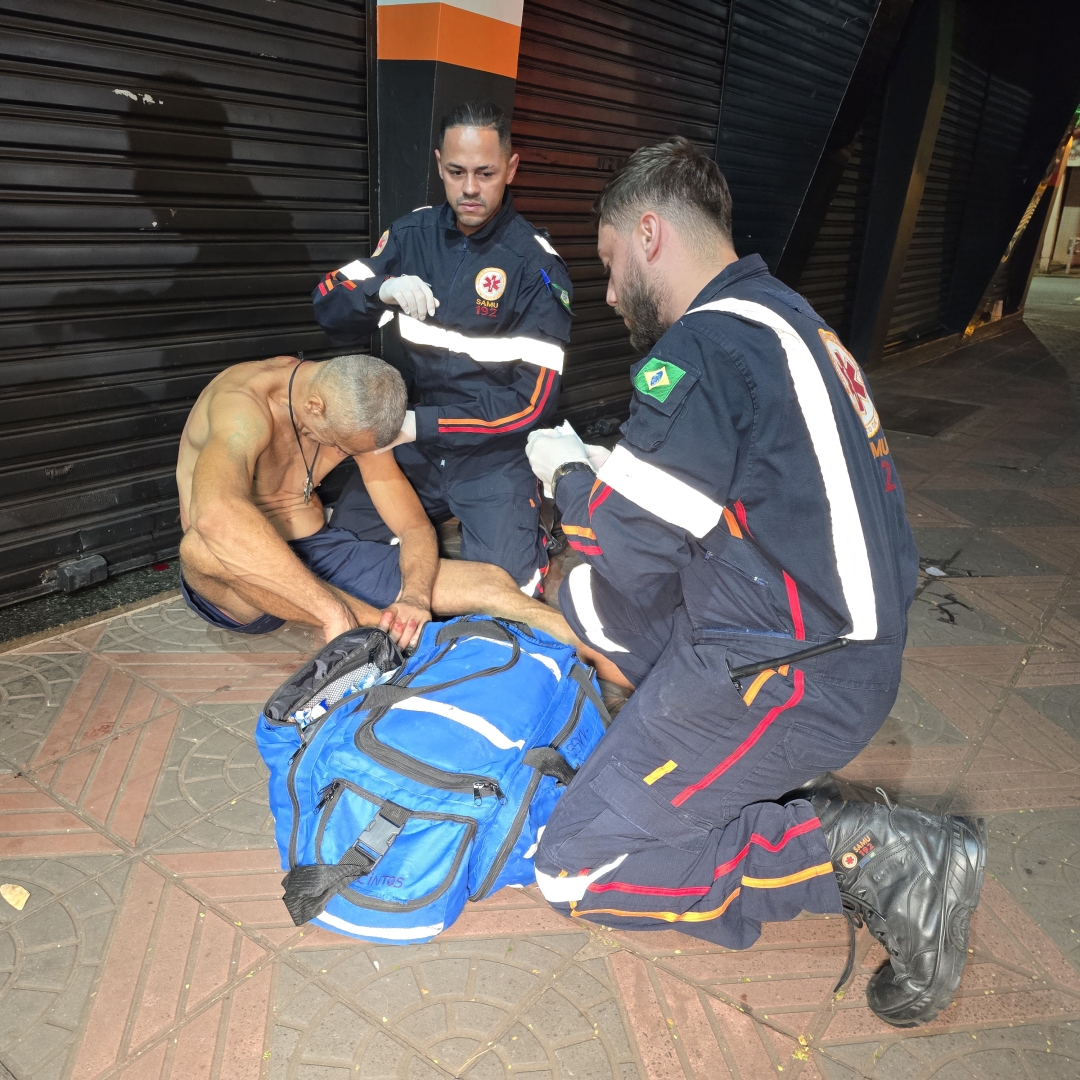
{"x":548,"y":448}
{"x":406,"y":434}
{"x":597,"y":455}
{"x":410,"y":293}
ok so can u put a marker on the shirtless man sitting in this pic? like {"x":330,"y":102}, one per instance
{"x":257,"y":550}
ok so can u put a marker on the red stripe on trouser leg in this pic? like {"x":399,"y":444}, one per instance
{"x":795,"y":605}
{"x":746,"y":745}
{"x":724,"y":868}
{"x":757,"y":838}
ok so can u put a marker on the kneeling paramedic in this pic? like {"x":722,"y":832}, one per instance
{"x":483,"y":308}
{"x":748,"y":566}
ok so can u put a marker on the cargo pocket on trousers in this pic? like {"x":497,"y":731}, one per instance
{"x":813,"y":751}
{"x":631,"y":798}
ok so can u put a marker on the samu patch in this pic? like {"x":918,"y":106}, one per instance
{"x":860,"y":853}
{"x":382,"y":243}
{"x":658,"y":378}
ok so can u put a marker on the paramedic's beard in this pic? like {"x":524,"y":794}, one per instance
{"x":639,"y":305}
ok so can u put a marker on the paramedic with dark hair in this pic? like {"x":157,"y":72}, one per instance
{"x":482,"y":302}
{"x":748,"y":565}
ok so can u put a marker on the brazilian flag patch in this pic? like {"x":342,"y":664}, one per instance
{"x":658,"y":378}
{"x":557,"y":291}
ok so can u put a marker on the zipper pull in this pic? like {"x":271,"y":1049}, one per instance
{"x":477,"y":798}
{"x":328,"y":794}
{"x":490,"y":788}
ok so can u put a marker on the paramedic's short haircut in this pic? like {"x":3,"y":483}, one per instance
{"x":478,"y":114}
{"x":362,"y":393}
{"x":675,"y":179}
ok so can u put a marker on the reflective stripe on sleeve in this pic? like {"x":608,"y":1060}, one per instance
{"x":580,"y":582}
{"x":357,"y":271}
{"x":663,"y":495}
{"x":484,"y":350}
{"x":546,"y":245}
{"x":848,"y":539}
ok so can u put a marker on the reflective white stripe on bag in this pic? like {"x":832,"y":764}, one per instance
{"x":357,"y":271}
{"x":849,"y":542}
{"x":461,"y":716}
{"x":485,"y":350}
{"x":580,"y":580}
{"x":663,"y":495}
{"x":395,"y":933}
{"x":561,"y":890}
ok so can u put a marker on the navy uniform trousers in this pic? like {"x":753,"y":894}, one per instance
{"x":674,"y":819}
{"x":493,"y":494}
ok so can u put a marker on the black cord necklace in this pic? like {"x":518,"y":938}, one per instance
{"x":309,"y":484}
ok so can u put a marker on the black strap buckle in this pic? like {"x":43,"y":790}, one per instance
{"x":374,"y":842}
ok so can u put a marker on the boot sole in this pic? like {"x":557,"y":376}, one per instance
{"x":962,"y":888}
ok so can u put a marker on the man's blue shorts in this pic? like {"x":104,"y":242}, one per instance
{"x":365,"y":569}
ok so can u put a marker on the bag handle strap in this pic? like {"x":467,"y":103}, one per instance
{"x":308,"y":889}
{"x":583,"y":677}
{"x":488,"y":628}
{"x":548,"y":760}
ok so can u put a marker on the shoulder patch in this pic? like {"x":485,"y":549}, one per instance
{"x":557,"y":291}
{"x":853,"y":381}
{"x":382,"y":243}
{"x":658,"y":378}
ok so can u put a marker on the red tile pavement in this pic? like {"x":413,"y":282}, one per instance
{"x":200,"y":973}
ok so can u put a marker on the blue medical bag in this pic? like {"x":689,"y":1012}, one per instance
{"x":401,"y":789}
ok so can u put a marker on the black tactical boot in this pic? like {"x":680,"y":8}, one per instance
{"x":915,"y":880}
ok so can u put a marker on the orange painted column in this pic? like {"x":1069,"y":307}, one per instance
{"x":430,"y":57}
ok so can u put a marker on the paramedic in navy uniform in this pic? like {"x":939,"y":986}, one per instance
{"x":750,"y":518}
{"x":482,"y":301}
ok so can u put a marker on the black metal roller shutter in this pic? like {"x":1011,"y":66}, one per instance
{"x":831,"y":274}
{"x":596,"y":80}
{"x":177,"y":176}
{"x":923,"y":295}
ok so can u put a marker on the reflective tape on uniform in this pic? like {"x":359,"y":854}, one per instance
{"x":530,"y":586}
{"x":357,"y":271}
{"x":580,"y":583}
{"x":849,"y":542}
{"x":663,"y":495}
{"x":546,"y":245}
{"x":484,"y":350}
{"x":561,"y":890}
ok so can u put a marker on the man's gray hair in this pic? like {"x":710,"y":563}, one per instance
{"x":362,"y":393}
{"x":675,"y":179}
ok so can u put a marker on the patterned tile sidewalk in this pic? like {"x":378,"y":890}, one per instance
{"x":154,"y":943}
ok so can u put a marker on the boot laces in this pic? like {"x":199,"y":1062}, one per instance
{"x":858,"y":914}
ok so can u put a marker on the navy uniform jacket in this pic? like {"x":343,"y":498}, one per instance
{"x":487,"y":365}
{"x":753,"y":476}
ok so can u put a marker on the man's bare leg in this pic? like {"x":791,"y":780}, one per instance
{"x":462,"y":588}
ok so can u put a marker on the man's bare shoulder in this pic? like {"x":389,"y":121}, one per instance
{"x":237,"y":402}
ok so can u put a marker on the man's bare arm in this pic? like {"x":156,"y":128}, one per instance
{"x":399,"y":507}
{"x":236,"y":532}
